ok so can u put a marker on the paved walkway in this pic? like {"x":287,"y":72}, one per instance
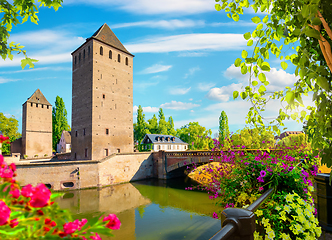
{"x":325,"y":236}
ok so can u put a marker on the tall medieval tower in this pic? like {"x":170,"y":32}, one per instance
{"x":37,"y":126}
{"x":102,"y":97}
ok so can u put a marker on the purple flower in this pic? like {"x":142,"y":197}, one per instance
{"x":263,"y":173}
{"x":215,"y":215}
{"x":260,"y":179}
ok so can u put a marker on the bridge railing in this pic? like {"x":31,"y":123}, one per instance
{"x":240,"y":222}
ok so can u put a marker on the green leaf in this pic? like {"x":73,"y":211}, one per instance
{"x":312,"y":33}
{"x":237,"y":62}
{"x":262,"y":77}
{"x":261,"y":89}
{"x":284,"y":65}
{"x":244,"y":69}
{"x":323,"y":83}
{"x":243,"y":95}
{"x":217,"y":7}
{"x":250,"y":42}
{"x":303,"y":113}
{"x":235,"y":94}
{"x":290,"y":97}
{"x":244,"y":54}
{"x":247,"y":36}
{"x":265,"y":66}
{"x":256,"y":20}
{"x":254,"y":83}
{"x":259,"y":26}
{"x":236,"y":17}
{"x":265,"y":19}
{"x":297,"y":32}
{"x":316,"y":21}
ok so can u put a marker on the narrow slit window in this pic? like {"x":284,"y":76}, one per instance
{"x":83,"y":131}
{"x":76,"y":133}
{"x":110,"y":54}
{"x":86,"y":152}
{"x":104,"y":96}
{"x":107,"y":131}
{"x":126,"y":61}
{"x":31,"y":104}
{"x":101,"y":51}
{"x":84,"y":54}
{"x":88,"y":50}
{"x":79,"y":58}
{"x":119,"y":58}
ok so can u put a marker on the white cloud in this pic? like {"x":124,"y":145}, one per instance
{"x":178,"y":105}
{"x":191,"y":71}
{"x":179,"y":91}
{"x":156,"y":68}
{"x":205,"y":86}
{"x":149,"y":7}
{"x":189,"y":42}
{"x":42,"y":59}
{"x":166,"y":24}
{"x":146,"y":109}
{"x":240,"y":23}
{"x":223,"y":93}
{"x":5,"y":80}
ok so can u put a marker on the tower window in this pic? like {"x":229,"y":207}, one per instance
{"x":88,"y":50}
{"x":31,"y":104}
{"x":104,"y":96}
{"x":83,"y":131}
{"x":126,"y":61}
{"x":119,"y":58}
{"x":76,"y":133}
{"x":107,"y":131}
{"x":42,"y":105}
{"x":79,"y":58}
{"x":101,"y":51}
{"x":75,"y":156}
{"x":106,"y":152}
{"x":84,"y":54}
{"x":110,"y":54}
{"x":36,"y":104}
{"x":86,"y":152}
{"x":47,"y":106}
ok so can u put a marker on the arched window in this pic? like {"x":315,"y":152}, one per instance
{"x":126,"y":61}
{"x":101,"y":50}
{"x":119,"y":58}
{"x":110,"y":54}
{"x":84,"y":54}
{"x":88,"y":50}
{"x":79,"y":58}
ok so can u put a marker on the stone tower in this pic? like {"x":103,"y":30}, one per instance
{"x":102,"y":97}
{"x":37,"y":126}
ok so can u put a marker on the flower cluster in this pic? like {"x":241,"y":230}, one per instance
{"x":28,"y":212}
{"x":243,"y":174}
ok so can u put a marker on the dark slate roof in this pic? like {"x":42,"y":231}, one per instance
{"x":106,"y":35}
{"x":154,"y":137}
{"x":38,"y":97}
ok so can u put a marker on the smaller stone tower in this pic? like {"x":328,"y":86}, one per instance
{"x":37,"y":126}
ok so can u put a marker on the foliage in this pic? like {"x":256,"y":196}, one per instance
{"x":9,"y":128}
{"x":59,"y":121}
{"x":140,"y":127}
{"x":295,"y":140}
{"x":304,"y":27}
{"x":18,"y":12}
{"x":170,"y":127}
{"x":196,"y":135}
{"x":162,"y":124}
{"x":153,"y":124}
{"x":29,"y":213}
{"x":290,"y":211}
{"x":223,"y":127}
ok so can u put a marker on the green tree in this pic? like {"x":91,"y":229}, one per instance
{"x":223,"y":127}
{"x":18,"y":12}
{"x":170,"y":127}
{"x":59,"y":121}
{"x":304,"y":27}
{"x":162,"y":124}
{"x":153,"y":125}
{"x":196,"y":136}
{"x":9,"y":128}
{"x":140,"y":127}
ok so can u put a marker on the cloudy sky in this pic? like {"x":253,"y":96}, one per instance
{"x":184,"y":54}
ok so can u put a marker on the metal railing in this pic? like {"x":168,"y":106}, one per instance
{"x":240,"y":222}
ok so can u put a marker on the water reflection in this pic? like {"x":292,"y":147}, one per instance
{"x":151,"y":209}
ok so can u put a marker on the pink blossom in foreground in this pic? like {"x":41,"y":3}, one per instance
{"x":27,"y":191}
{"x":71,"y":227}
{"x":15,"y":192}
{"x":96,"y":237}
{"x":113,"y":222}
{"x":4,"y":213}
{"x":260,"y":189}
{"x":39,"y":196}
{"x":215,"y":215}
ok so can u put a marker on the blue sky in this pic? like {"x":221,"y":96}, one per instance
{"x":184,"y":54}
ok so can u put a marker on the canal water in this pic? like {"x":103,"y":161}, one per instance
{"x":149,"y":210}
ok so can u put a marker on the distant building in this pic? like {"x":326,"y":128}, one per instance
{"x":36,"y":127}
{"x":286,"y":134}
{"x":102,"y":97}
{"x":156,"y":142}
{"x":64,"y":145}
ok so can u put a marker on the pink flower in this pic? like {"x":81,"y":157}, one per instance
{"x":260,"y":189}
{"x":6,"y":173}
{"x":15,"y":193}
{"x":113,"y":222}
{"x":97,"y":237}
{"x":13,"y":223}
{"x":27,"y":191}
{"x":4,"y":213}
{"x":71,"y":227}
{"x":1,"y":159}
{"x":41,"y":196}
{"x":260,"y":179}
{"x":215,"y":215}
{"x":12,"y":167}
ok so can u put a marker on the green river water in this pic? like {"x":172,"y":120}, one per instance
{"x":149,"y":209}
